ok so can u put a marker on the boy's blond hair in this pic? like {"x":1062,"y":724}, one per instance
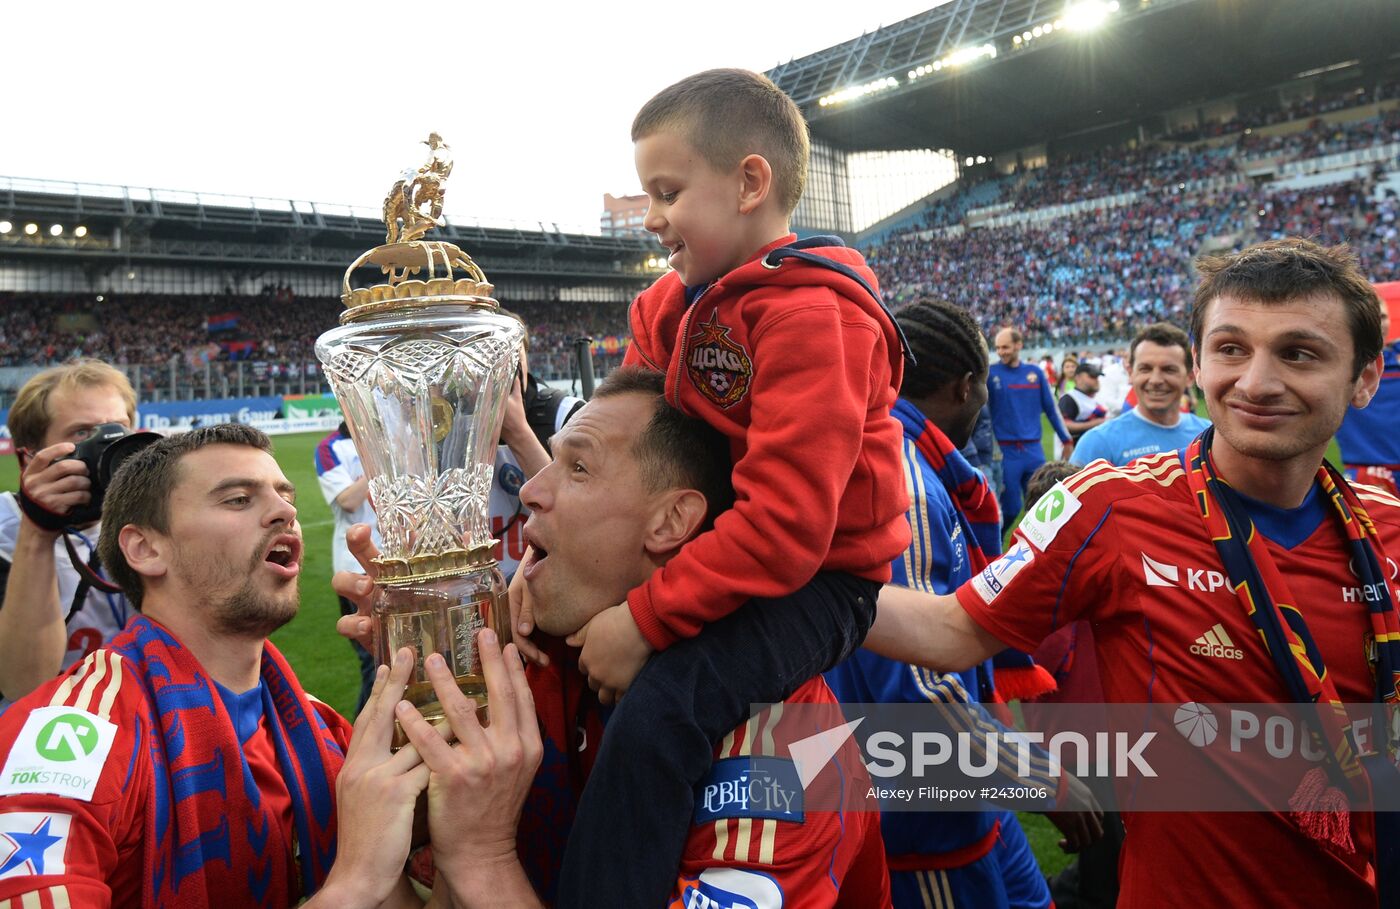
{"x":29,"y":417}
{"x":729,"y":114}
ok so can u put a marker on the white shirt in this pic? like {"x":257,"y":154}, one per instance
{"x":337,"y":467}
{"x":101,"y":615}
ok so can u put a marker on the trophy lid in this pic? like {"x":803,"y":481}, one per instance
{"x":420,"y":272}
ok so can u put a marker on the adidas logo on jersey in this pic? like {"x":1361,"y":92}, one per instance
{"x":1216,"y":643}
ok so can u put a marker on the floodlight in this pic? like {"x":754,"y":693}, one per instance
{"x":1088,"y":14}
{"x":1015,"y":39}
{"x":80,"y":232}
{"x":1037,"y":31}
{"x":99,"y":298}
{"x":56,"y":230}
{"x":31,"y":229}
{"x":131,"y":276}
{"x":5,"y":227}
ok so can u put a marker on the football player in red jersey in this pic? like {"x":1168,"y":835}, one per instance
{"x":182,"y":764}
{"x":1287,"y":336}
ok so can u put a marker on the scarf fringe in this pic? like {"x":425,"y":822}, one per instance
{"x":1321,"y":811}
{"x":1025,"y":683}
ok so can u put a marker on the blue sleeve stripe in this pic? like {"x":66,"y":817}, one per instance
{"x":325,"y":454}
{"x":1069,"y":570}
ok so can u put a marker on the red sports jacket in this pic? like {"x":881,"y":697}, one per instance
{"x":798,"y":365}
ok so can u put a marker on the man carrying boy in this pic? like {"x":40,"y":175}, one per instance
{"x":785,"y":348}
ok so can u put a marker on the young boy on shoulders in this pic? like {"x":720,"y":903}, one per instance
{"x":785,"y":347}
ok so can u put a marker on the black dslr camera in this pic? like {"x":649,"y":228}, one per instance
{"x":103,"y":451}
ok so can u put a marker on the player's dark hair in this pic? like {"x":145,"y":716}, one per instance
{"x":727,"y":115}
{"x":676,"y":451}
{"x":1282,"y":271}
{"x":946,"y":342}
{"x":140,"y":493}
{"x":1046,"y":476}
{"x":1164,"y":334}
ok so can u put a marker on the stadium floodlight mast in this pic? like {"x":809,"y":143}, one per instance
{"x":859,"y":91}
{"x":960,"y":57}
{"x":422,"y":365}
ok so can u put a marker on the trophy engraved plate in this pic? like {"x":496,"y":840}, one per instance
{"x":465,"y":622}
{"x":422,"y":365}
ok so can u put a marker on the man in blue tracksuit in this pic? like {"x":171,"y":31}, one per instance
{"x":1018,"y":393}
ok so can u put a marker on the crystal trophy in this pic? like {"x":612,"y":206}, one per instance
{"x":422,"y":364}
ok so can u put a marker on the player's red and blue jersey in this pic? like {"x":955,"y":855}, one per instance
{"x":794,"y":851}
{"x":1369,"y":435}
{"x":88,"y":848}
{"x":1124,"y":548}
{"x":1017,"y":396}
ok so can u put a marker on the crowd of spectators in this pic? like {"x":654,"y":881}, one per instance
{"x":1301,"y":109}
{"x":1075,"y":279}
{"x":1093,"y":276}
{"x":272,"y":334}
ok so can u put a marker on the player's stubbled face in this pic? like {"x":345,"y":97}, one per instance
{"x":589,"y":510}
{"x":1277,"y":377}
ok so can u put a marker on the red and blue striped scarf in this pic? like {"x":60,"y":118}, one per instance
{"x":1017,"y":675}
{"x":210,"y":838}
{"x":1320,"y":805}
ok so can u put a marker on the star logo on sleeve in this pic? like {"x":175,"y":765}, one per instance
{"x":33,"y":843}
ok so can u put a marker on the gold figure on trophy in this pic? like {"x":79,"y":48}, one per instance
{"x":415,"y":202}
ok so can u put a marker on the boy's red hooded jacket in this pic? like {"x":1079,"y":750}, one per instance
{"x":798,"y":365}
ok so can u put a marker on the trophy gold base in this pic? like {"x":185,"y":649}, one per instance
{"x":440,"y":616}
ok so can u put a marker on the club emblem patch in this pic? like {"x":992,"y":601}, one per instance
{"x":718,"y":365}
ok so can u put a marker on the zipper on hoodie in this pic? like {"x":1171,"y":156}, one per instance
{"x":685,"y":340}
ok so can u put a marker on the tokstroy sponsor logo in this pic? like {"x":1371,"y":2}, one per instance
{"x":60,"y":751}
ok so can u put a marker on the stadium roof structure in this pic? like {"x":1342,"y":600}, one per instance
{"x":129,"y":224}
{"x":991,"y":76}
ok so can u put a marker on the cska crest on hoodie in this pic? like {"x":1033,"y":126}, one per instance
{"x":718,"y":365}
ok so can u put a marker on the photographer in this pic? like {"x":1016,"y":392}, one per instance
{"x":52,"y":617}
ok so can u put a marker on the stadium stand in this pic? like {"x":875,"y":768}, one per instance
{"x":1122,"y":255}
